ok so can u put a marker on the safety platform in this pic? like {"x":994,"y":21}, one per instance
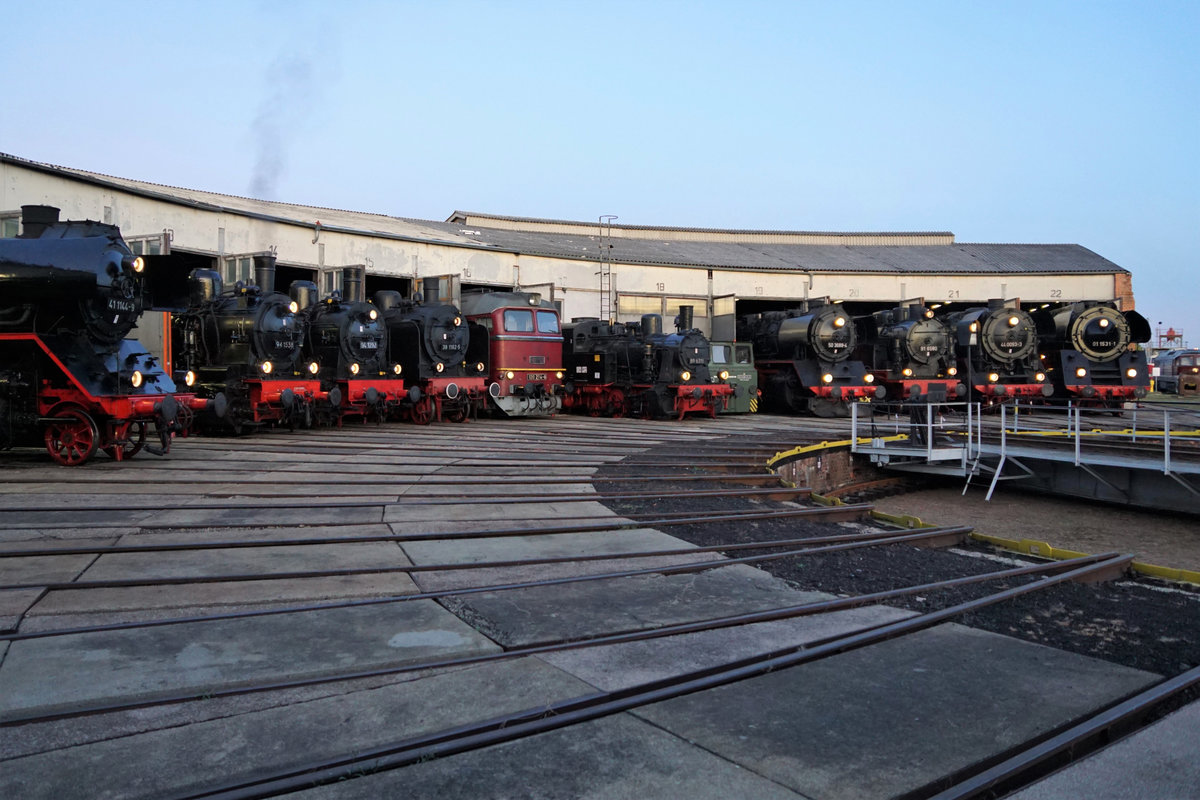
{"x":1145,"y":456}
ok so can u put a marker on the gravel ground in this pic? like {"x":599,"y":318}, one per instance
{"x":1143,"y":624}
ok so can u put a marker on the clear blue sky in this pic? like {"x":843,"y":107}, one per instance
{"x":1010,"y":122}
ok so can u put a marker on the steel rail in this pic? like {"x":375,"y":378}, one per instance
{"x":949,"y":535}
{"x":592,"y":706}
{"x":1075,"y":569}
{"x":824,"y":513}
{"x":253,"y":477}
{"x":1102,"y":728}
{"x":127,"y":583}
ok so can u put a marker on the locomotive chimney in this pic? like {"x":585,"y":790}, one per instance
{"x":304,"y":293}
{"x":651,"y":325}
{"x":352,"y":284}
{"x":264,"y":273}
{"x":35,"y":220}
{"x":432,"y":290}
{"x":684,"y":321}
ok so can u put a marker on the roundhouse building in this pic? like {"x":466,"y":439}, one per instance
{"x":596,"y":269}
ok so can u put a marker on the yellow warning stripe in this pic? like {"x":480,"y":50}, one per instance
{"x":1034,"y":547}
{"x":812,"y":448}
{"x":1103,"y":432}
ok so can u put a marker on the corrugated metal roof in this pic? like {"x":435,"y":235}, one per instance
{"x":724,"y":254}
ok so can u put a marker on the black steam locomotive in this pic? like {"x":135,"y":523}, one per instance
{"x":997,"y":353}
{"x":911,"y":353}
{"x":432,"y":344}
{"x":245,"y":345}
{"x":1085,"y":350}
{"x":347,"y":338}
{"x":616,"y":369}
{"x":804,"y":359}
{"x":70,"y":292}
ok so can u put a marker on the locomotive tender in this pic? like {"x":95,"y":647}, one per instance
{"x":634,"y":368}
{"x":804,"y":359}
{"x":1085,"y":349}
{"x":246,"y":345}
{"x":518,"y":336}
{"x":71,"y":292}
{"x":432,"y":344}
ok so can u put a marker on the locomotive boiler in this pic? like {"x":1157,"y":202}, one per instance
{"x":347,"y":338}
{"x":804,"y":358}
{"x":432,"y":344}
{"x":70,"y":294}
{"x":911,"y":354}
{"x":996,"y":346}
{"x":517,"y":335}
{"x":1086,"y":350}
{"x":245,"y":345}
{"x":619,"y":368}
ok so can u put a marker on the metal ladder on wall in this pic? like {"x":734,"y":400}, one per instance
{"x":606,"y":290}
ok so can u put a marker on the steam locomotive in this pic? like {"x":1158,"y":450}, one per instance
{"x":997,"y":353}
{"x":804,"y":358}
{"x":911,"y":353}
{"x":1085,"y":351}
{"x":634,"y":368}
{"x":71,"y":292}
{"x":517,"y":335}
{"x":347,"y":339}
{"x":246,"y":345}
{"x":431,"y":343}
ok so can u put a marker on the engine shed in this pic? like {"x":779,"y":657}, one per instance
{"x":587,"y":269}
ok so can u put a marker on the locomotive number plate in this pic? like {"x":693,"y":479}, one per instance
{"x":537,"y":376}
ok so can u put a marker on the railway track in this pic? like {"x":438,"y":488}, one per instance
{"x":645,"y":576}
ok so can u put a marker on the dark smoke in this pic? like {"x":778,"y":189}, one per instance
{"x":289,"y":98}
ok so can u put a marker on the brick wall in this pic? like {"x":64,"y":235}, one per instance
{"x":826,"y":470}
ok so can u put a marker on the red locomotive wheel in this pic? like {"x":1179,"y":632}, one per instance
{"x":422,"y":411}
{"x":72,"y":437}
{"x":133,"y":435}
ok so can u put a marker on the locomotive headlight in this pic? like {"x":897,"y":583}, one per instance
{"x":1103,"y":322}
{"x":372,"y":315}
{"x":839,"y":322}
{"x":993,"y":377}
{"x":827,"y":377}
{"x":558,"y":375}
{"x":397,"y":369}
{"x":952,"y":371}
{"x":480,"y":366}
{"x":908,"y":372}
{"x":723,"y":374}
{"x":439,"y":366}
{"x":313,"y":367}
{"x":1081,"y":372}
{"x":685,"y":376}
{"x":294,"y":307}
{"x":354,"y":368}
{"x":510,"y":375}
{"x":457,"y":321}
{"x":266,"y":367}
{"x":929,"y":313}
{"x":136,"y":379}
{"x":189,"y":379}
{"x":1040,"y":377}
{"x":1131,"y":373}
{"x":1013,"y":321}
{"x":868,"y":378}
{"x":973,"y":327}
{"x":138,"y":265}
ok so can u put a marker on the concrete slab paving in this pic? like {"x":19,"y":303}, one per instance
{"x":558,"y":511}
{"x":879,"y":722}
{"x":179,"y":760}
{"x":616,"y":758}
{"x":193,"y":657}
{"x":1161,"y":762}
{"x":42,"y":569}
{"x":14,"y":603}
{"x":620,"y":666}
{"x":528,"y":616}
